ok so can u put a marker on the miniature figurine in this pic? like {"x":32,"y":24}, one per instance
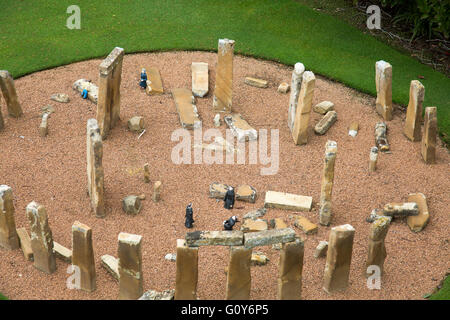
{"x":228,"y":224}
{"x":189,"y":216}
{"x":229,"y":198}
{"x":84,"y":94}
{"x":143,"y":82}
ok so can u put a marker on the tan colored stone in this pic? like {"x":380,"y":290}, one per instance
{"x":287,"y":201}
{"x":62,"y":252}
{"x":187,"y":272}
{"x":214,"y":238}
{"x":217,"y":190}
{"x":8,"y":234}
{"x":321,"y":249}
{"x":238,"y":275}
{"x":131,"y":205}
{"x":25,"y":243}
{"x":60,"y":97}
{"x":414,"y":112}
{"x":83,"y":255}
{"x":251,"y":225}
{"x":92,"y":89}
{"x":290,"y":270}
{"x":43,"y":127}
{"x":377,"y":249}
{"x":187,"y":111}
{"x":373,"y":159}
{"x":136,"y":124}
{"x":259,"y":259}
{"x":246,"y":193}
{"x":279,"y":223}
{"x":296,"y":82}
{"x":156,"y":191}
{"x":130,"y":266}
{"x":2,"y":122}
{"x":339,"y":255}
{"x":417,"y":223}
{"x":380,"y":137}
{"x":401,"y":209}
{"x":307,"y":226}
{"x":240,"y":127}
{"x":154,"y":82}
{"x":323,"y":107}
{"x":301,"y":120}
{"x":325,"y":212}
{"x":383,"y":81}
{"x":111,"y":265}
{"x":283,"y":87}
{"x":353,"y":129}
{"x":254,"y":214}
{"x":199,"y":78}
{"x":223,"y":90}
{"x":10,"y":95}
{"x":41,"y":238}
{"x":429,"y":135}
{"x":325,"y":123}
{"x":254,"y":82}
{"x":146,"y":173}
{"x":268,"y":237}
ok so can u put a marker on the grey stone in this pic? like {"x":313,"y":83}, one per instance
{"x":131,"y":205}
{"x":60,"y":97}
{"x":325,"y":123}
{"x":268,"y":237}
{"x":254,"y":214}
{"x":214,"y":238}
{"x":156,"y":295}
{"x":171,"y":257}
{"x":321,"y":249}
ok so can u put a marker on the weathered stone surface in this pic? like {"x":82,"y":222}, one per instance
{"x":41,"y":238}
{"x":373,"y":159}
{"x":376,"y":214}
{"x":279,"y":223}
{"x":199,"y":78}
{"x":47,"y":109}
{"x":217,"y":190}
{"x":111,"y":264}
{"x":9,"y":94}
{"x":2,"y":122}
{"x":187,"y":272}
{"x":223,"y":90}
{"x":339,"y":256}
{"x":154,"y":82}
{"x":259,"y":259}
{"x":301,"y":120}
{"x":60,"y":97}
{"x":62,"y":252}
{"x":380,"y":137}
{"x":108,"y":102}
{"x":296,"y":82}
{"x":287,"y":201}
{"x":254,"y":214}
{"x":155,"y":295}
{"x":43,"y":127}
{"x":325,"y":212}
{"x":186,"y":108}
{"x":217,"y":121}
{"x":268,"y":237}
{"x":323,"y":107}
{"x":254,"y":82}
{"x":8,"y":234}
{"x":353,"y":129}
{"x":283,"y":87}
{"x":246,"y":193}
{"x":238,"y":275}
{"x":417,"y":223}
{"x":171,"y":256}
{"x":240,"y":128}
{"x":377,"y":249}
{"x":136,"y":124}
{"x":305,"y":225}
{"x":321,"y":249}
{"x":156,"y":191}
{"x":383,"y":81}
{"x":401,"y":209}
{"x":290,"y":270}
{"x":325,"y":123}
{"x":414,"y":111}
{"x":130,"y":266}
{"x":131,"y":205}
{"x":25,"y":244}
{"x":92,"y":88}
{"x":214,"y":238}
{"x":251,"y":225}
{"x":94,"y":155}
{"x":428,"y":149}
{"x":146,"y":173}
{"x":83,"y":255}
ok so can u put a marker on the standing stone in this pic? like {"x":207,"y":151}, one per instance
{"x":146,"y":173}
{"x":199,"y":78}
{"x":325,"y":213}
{"x":417,"y":223}
{"x":41,"y":238}
{"x":414,"y":111}
{"x":43,"y":128}
{"x":224,"y":77}
{"x":95,"y":173}
{"x":339,"y":256}
{"x":83,"y":255}
{"x":136,"y":124}
{"x":10,"y":95}
{"x":321,"y":249}
{"x":130,"y":266}
{"x":383,"y":81}
{"x":429,"y":135}
{"x":108,"y":105}
{"x":157,"y":191}
{"x":296,"y":83}
{"x":373,"y":157}
{"x":377,"y":249}
{"x":187,"y":272}
{"x":8,"y":234}
{"x":301,"y":120}
{"x":2,"y":122}
{"x":353,"y":129}
{"x":290,"y":270}
{"x":131,"y":205}
{"x":238,"y":276}
{"x":380,"y":137}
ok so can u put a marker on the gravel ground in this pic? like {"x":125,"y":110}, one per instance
{"x":52,"y":171}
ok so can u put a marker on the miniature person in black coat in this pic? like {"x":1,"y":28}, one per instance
{"x":228,"y":224}
{"x":229,"y":198}
{"x":189,"y":216}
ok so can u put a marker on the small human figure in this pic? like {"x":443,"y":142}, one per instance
{"x":228,"y":224}
{"x":84,"y":94}
{"x":229,"y":198}
{"x":189,"y":216}
{"x":143,"y":82}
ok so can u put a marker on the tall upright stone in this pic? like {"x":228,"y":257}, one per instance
{"x":414,"y":111}
{"x":339,"y":256}
{"x":429,"y":135}
{"x":95,"y":173}
{"x":377,"y":249}
{"x":10,"y":95}
{"x":224,"y":76}
{"x":83,"y":255}
{"x":238,"y":276}
{"x":325,"y":213}
{"x":108,"y":104}
{"x":130,"y":266}
{"x":290,"y":270}
{"x":304,"y":105}
{"x":187,"y":271}
{"x":41,"y":238}
{"x":373,"y":158}
{"x":8,"y":234}
{"x":296,"y":83}
{"x":383,"y":80}
{"x":2,"y":122}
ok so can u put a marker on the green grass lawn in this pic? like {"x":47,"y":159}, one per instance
{"x":2,"y":297}
{"x":444,"y":292}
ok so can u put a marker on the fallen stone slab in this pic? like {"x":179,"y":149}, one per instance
{"x":186,"y":108}
{"x":375,"y":214}
{"x":325,"y":123}
{"x":60,"y":97}
{"x":217,"y":190}
{"x":199,"y":78}
{"x":256,"y":225}
{"x":258,"y":259}
{"x":92,"y":89}
{"x":305,"y":225}
{"x":214,"y":238}
{"x":111,"y":265}
{"x":156,"y":295}
{"x":154,"y":82}
{"x":278,"y":223}
{"x":254,"y":82}
{"x":287,"y":201}
{"x":268,"y":237}
{"x":254,"y":214}
{"x":246,"y":193}
{"x":283,"y":87}
{"x":321,"y":249}
{"x":136,"y":124}
{"x":62,"y":252}
{"x":240,"y":128}
{"x":131,"y":205}
{"x":323,"y":107}
{"x":418,"y":222}
{"x":25,"y":243}
{"x":401,"y":209}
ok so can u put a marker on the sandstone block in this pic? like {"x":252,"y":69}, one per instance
{"x":199,"y":78}
{"x":254,"y":82}
{"x":251,"y":225}
{"x":222,"y":100}
{"x":62,"y":252}
{"x":321,"y":249}
{"x":268,"y":237}
{"x":238,"y":275}
{"x":414,"y":111}
{"x":130,"y":266}
{"x":111,"y":265}
{"x":8,"y":234}
{"x":83,"y":255}
{"x":353,"y":129}
{"x":25,"y":244}
{"x":323,"y":107}
{"x":186,"y":108}
{"x":187,"y":272}
{"x":401,"y":209}
{"x":246,"y":193}
{"x":325,"y":123}
{"x":290,"y":270}
{"x":283,"y":87}
{"x":254,"y":214}
{"x":326,"y":189}
{"x":301,"y":120}
{"x":43,"y":127}
{"x":418,"y":222}
{"x":240,"y":128}
{"x":9,"y":93}
{"x":287,"y":201}
{"x":156,"y":191}
{"x":136,"y":124}
{"x":155,"y":295}
{"x":154,"y":82}
{"x":60,"y":97}
{"x":131,"y":205}
{"x":380,"y":137}
{"x":383,"y":81}
{"x":92,"y":88}
{"x":296,"y":82}
{"x":305,"y":225}
{"x":214,"y":238}
{"x":428,"y":149}
{"x":259,"y":259}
